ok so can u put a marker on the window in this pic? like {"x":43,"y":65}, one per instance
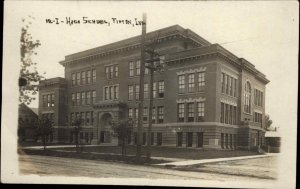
{"x":94,"y":97}
{"x":82,"y":98}
{"x":189,"y":139}
{"x":111,"y":72}
{"x":222,"y":113}
{"x":159,"y":139}
{"x":88,"y":117}
{"x":229,"y":85}
{"x":48,"y":100}
{"x":137,"y":92}
{"x":83,"y":78}
{"x":200,"y":109}
{"x":145,"y":114}
{"x":181,"y":83}
{"x":138,"y":67}
{"x":82,"y":118}
{"x":73,"y":99}
{"x":130,"y":92}
{"x":247,"y":98}
{"x":72,"y":117}
{"x":88,"y":97}
{"x":222,"y":140}
{"x":190,"y":107}
{"x":191,"y":83}
{"x":106,"y":93}
{"x":131,"y":68}
{"x":78,"y":99}
{"x":78,"y":78}
{"x":136,"y":114}
{"x":226,"y":113}
{"x":153,"y":114}
{"x":258,"y":117}
{"x":234,"y":116}
{"x":179,"y":139}
{"x":94,"y":75}
{"x":160,"y":110}
{"x":44,"y":100}
{"x":201,"y":81}
{"x":146,"y":90}
{"x":130,"y":113}
{"x":258,"y":97}
{"x":181,"y":112}
{"x":73,"y":79}
{"x":107,"y":72}
{"x":234,"y":87}
{"x":154,"y":90}
{"x":146,"y":71}
{"x":116,"y":67}
{"x":116,"y":92}
{"x":161,"y":89}
{"x":111,"y":92}
{"x":88,"y":77}
{"x":229,"y":114}
{"x":223,"y":82}
{"x":92,"y":117}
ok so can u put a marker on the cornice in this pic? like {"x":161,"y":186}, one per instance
{"x":118,"y":51}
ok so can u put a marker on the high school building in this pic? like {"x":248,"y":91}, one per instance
{"x":206,"y":97}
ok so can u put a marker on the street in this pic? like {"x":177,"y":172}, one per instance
{"x":55,"y":166}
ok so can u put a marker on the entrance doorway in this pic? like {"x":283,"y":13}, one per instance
{"x":106,"y":134}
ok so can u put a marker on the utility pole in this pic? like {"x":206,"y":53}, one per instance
{"x":152,"y":66}
{"x":150,"y":111}
{"x":141,"y":92}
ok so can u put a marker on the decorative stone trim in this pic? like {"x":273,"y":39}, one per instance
{"x":194,"y":124}
{"x":48,"y":112}
{"x":229,"y":73}
{"x":200,"y":99}
{"x":258,"y":111}
{"x":201,"y":69}
{"x":227,"y":101}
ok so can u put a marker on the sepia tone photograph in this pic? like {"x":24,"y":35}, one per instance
{"x":194,"y":94}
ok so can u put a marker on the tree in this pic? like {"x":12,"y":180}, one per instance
{"x":29,"y":76}
{"x":44,"y":130}
{"x":76,"y":130}
{"x":268,"y":122}
{"x":123,"y":130}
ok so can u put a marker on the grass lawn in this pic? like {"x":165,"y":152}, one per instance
{"x":168,"y":152}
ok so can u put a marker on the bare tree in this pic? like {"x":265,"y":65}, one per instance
{"x":29,"y":76}
{"x":76,"y":130}
{"x":123,"y":130}
{"x":44,"y":130}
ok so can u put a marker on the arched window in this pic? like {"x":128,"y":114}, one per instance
{"x":247,"y":96}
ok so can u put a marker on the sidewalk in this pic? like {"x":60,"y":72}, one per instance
{"x":202,"y":161}
{"x":61,"y":146}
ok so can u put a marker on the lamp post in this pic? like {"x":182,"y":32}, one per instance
{"x":153,"y":64}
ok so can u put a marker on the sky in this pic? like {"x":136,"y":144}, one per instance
{"x":265,"y":33}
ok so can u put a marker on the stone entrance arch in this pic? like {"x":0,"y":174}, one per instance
{"x":107,"y":111}
{"x":105,"y":131}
